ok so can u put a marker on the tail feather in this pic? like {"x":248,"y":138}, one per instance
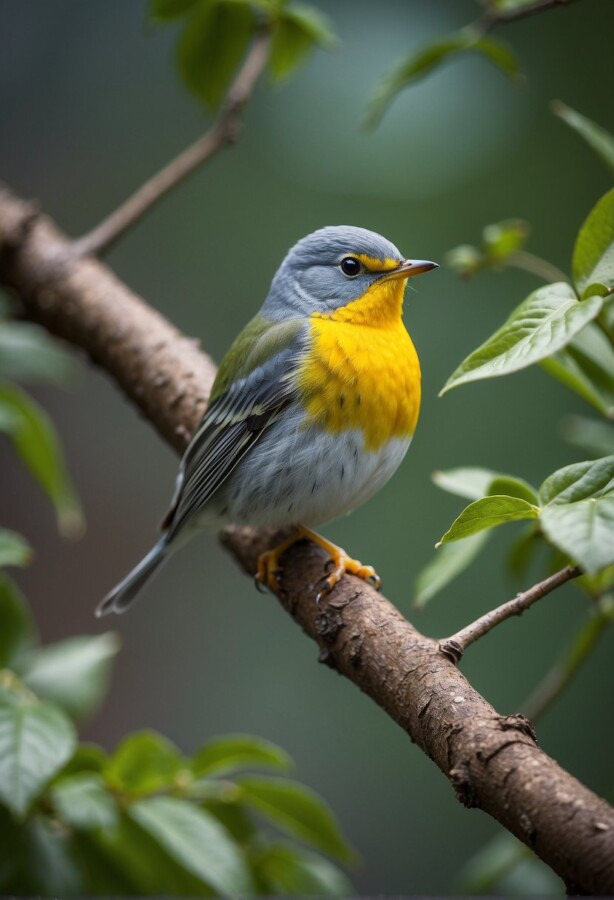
{"x":121,"y":597}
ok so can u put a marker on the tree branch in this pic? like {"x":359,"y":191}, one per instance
{"x":221,"y":134}
{"x":493,"y":16}
{"x":454,"y":646}
{"x":492,"y":761}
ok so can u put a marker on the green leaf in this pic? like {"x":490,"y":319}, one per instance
{"x":593,"y":255}
{"x":593,"y":478}
{"x":287,"y":871}
{"x":36,"y":442}
{"x":27,"y":353}
{"x":600,"y":140}
{"x":238,"y":751}
{"x":503,"y":239}
{"x":144,"y":762}
{"x":84,"y":803}
{"x":297,"y":810}
{"x":420,"y":64}
{"x":513,"y":487}
{"x":578,"y":513}
{"x":589,"y":434}
{"x":138,"y":859}
{"x":449,"y":561}
{"x":87,"y":758}
{"x":544,"y":323}
{"x":500,"y":55}
{"x":36,"y":739}
{"x":564,"y":368}
{"x":234,"y":818}
{"x":196,"y":841}
{"x":103,"y":874}
{"x":296,"y":30}
{"x":586,"y":366}
{"x":471,"y":482}
{"x":488,"y":513}
{"x":17,"y":632}
{"x":169,"y":10}
{"x":211,"y":46}
{"x":74,"y":673}
{"x":14,"y":549}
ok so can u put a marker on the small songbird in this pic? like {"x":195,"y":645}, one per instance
{"x":312,"y":409}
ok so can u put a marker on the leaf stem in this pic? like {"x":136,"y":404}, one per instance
{"x":454,"y":646}
{"x":529,"y":262}
{"x":223,"y":132}
{"x":556,"y":680}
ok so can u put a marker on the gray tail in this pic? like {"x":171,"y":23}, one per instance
{"x":123,"y":594}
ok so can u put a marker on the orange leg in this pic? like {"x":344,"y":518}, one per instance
{"x":268,"y":563}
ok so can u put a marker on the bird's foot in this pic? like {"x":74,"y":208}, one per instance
{"x":340,"y":563}
{"x":269,"y":570}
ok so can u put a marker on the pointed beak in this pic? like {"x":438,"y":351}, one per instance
{"x":410,"y":267}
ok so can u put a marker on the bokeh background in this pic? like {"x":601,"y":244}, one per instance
{"x":90,"y":104}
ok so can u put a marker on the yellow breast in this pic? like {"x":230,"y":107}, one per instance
{"x":361,"y":370}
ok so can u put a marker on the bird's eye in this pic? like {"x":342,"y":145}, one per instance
{"x":350,"y":266}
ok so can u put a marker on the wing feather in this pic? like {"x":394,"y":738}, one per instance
{"x":230,"y":427}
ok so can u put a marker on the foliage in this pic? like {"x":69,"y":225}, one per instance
{"x":570,"y":331}
{"x":29,"y":354}
{"x":476,"y":38}
{"x":149,"y":819}
{"x":145,"y":818}
{"x":600,"y":140}
{"x":215,"y":35}
{"x":470,"y":39}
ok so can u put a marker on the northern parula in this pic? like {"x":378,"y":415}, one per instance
{"x":312,"y":409}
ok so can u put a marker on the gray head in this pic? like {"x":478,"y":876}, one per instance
{"x":332,"y":267}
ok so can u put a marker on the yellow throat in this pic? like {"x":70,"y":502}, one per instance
{"x":362,"y":370}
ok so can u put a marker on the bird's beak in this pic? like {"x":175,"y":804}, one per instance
{"x":410,"y":267}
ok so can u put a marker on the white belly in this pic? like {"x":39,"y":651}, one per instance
{"x":297,"y":475}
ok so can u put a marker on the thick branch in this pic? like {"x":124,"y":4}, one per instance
{"x":162,"y":371}
{"x":222,"y":133}
{"x":493,"y":761}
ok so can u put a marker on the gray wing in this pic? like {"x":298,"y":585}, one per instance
{"x":229,"y":429}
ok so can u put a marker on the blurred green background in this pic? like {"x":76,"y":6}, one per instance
{"x":90,"y":105}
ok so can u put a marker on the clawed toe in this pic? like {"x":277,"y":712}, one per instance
{"x":269,"y":570}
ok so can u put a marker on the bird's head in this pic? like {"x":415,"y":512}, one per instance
{"x":341,"y":271}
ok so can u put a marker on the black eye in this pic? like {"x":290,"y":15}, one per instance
{"x":350,"y":266}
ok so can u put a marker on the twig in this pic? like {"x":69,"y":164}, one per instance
{"x":454,"y":646}
{"x":529,"y":262}
{"x":492,"y":761}
{"x":559,"y":676}
{"x":222,"y":133}
{"x":493,"y":16}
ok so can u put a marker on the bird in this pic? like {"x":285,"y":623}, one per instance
{"x":312,"y":410}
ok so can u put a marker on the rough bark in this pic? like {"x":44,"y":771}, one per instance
{"x":493,"y":761}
